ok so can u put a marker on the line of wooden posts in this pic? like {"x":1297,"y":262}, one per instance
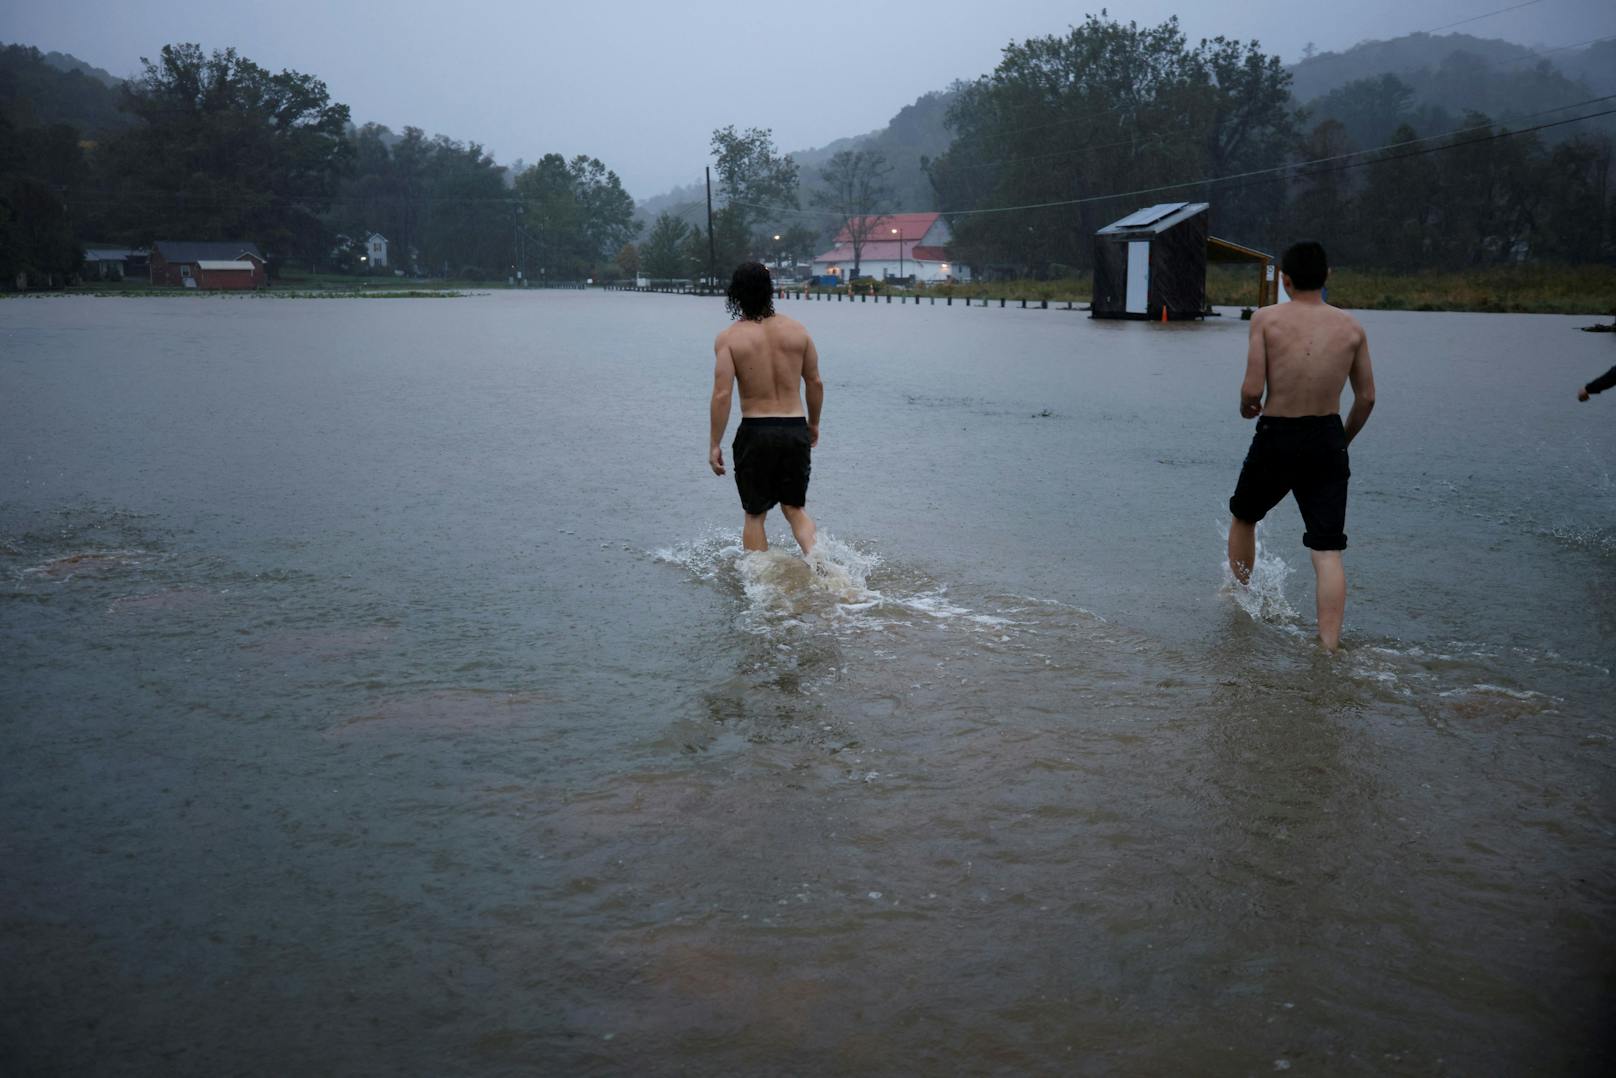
{"x":838,"y":296}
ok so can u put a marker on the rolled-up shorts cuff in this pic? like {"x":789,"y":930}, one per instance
{"x":1319,"y":541}
{"x":1245,"y":513}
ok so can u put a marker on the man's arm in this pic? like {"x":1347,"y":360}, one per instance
{"x":1598,"y":385}
{"x":1251,"y":387}
{"x":723,"y":387}
{"x":1363,"y":389}
{"x":813,"y":390}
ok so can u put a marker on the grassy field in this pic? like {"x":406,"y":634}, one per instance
{"x":1587,"y":290}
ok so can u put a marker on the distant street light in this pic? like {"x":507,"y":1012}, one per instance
{"x":899,"y":234}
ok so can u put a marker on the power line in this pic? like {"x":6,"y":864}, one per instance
{"x":1209,"y":180}
{"x":1478,"y":18}
{"x":1169,"y":135}
{"x":1297,"y":165}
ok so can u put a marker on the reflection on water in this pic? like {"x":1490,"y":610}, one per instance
{"x":352,"y":721}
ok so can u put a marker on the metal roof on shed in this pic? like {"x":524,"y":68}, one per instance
{"x":224,"y":264}
{"x":1154,"y":220}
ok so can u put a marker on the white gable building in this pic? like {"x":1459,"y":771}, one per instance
{"x":900,"y":245}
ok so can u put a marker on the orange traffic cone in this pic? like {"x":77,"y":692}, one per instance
{"x":1164,"y":312}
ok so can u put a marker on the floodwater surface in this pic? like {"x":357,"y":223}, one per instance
{"x":384,"y":691}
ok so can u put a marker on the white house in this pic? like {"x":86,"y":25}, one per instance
{"x":898,"y":245}
{"x":376,"y":251}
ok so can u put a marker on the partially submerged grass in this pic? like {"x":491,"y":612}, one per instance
{"x":1535,"y":289}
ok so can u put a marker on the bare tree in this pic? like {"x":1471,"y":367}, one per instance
{"x":856,"y":190}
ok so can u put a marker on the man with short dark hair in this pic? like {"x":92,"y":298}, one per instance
{"x":769,"y":354}
{"x":1303,"y":352}
{"x":1598,"y":385}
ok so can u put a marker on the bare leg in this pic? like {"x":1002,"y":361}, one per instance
{"x":802,"y":526}
{"x":1242,"y":548}
{"x":752,"y":535}
{"x":1332,"y":594}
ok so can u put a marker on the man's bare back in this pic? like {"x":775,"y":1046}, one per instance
{"x":770,"y":355}
{"x":1304,"y":352}
{"x":770,"y":359}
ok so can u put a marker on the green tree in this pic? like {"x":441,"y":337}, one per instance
{"x":627,"y":261}
{"x":468,"y":218}
{"x":663,"y":255}
{"x":1370,"y":110}
{"x":754,"y":179}
{"x":856,"y":190}
{"x":1489,"y":193}
{"x":226,"y":150}
{"x":606,"y":211}
{"x":39,"y":171}
{"x":576,"y":214}
{"x":799,"y":243}
{"x":696,"y":256}
{"x":1576,"y":221}
{"x":1108,"y":107}
{"x":1321,"y":201}
{"x":1398,"y":205}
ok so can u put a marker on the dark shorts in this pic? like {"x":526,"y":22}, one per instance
{"x":1302,"y":455}
{"x":772,"y":462}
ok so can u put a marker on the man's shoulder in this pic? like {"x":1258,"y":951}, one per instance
{"x":1348,"y":319}
{"x":735,"y":329}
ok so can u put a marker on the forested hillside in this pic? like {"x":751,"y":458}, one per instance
{"x":211,"y":146}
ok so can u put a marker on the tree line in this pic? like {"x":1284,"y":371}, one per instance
{"x":1065,"y":122}
{"x":211,"y":146}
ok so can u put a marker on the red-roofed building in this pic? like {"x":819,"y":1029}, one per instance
{"x":899,"y":245}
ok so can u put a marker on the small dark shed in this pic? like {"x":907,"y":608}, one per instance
{"x":1153,"y":260}
{"x":1149,"y":261}
{"x":1153,"y":263}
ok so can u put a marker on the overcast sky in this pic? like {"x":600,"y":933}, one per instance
{"x":642,"y":83}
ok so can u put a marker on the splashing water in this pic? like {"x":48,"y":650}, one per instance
{"x":832,"y":586}
{"x":1263,"y":596}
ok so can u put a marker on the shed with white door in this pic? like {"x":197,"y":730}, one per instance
{"x":1152,"y":263}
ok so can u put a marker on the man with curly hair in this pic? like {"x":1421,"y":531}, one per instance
{"x":769,"y":354}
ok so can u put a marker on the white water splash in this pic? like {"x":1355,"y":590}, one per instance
{"x":1262,"y":597}
{"x":832,"y":586}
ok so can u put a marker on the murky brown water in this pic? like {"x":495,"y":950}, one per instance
{"x":382,"y":692}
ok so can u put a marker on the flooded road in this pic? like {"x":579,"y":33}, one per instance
{"x":383,"y":690}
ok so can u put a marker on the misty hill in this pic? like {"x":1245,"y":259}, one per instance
{"x":37,"y":92}
{"x":1402,"y":56}
{"x":62,"y":61}
{"x":1433,"y":83}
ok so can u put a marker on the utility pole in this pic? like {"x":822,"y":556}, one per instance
{"x":712,"y":246}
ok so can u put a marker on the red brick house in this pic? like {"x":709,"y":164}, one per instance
{"x":230,"y":264}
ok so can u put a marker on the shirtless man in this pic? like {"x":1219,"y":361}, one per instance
{"x":769,"y":354}
{"x":1303,"y":351}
